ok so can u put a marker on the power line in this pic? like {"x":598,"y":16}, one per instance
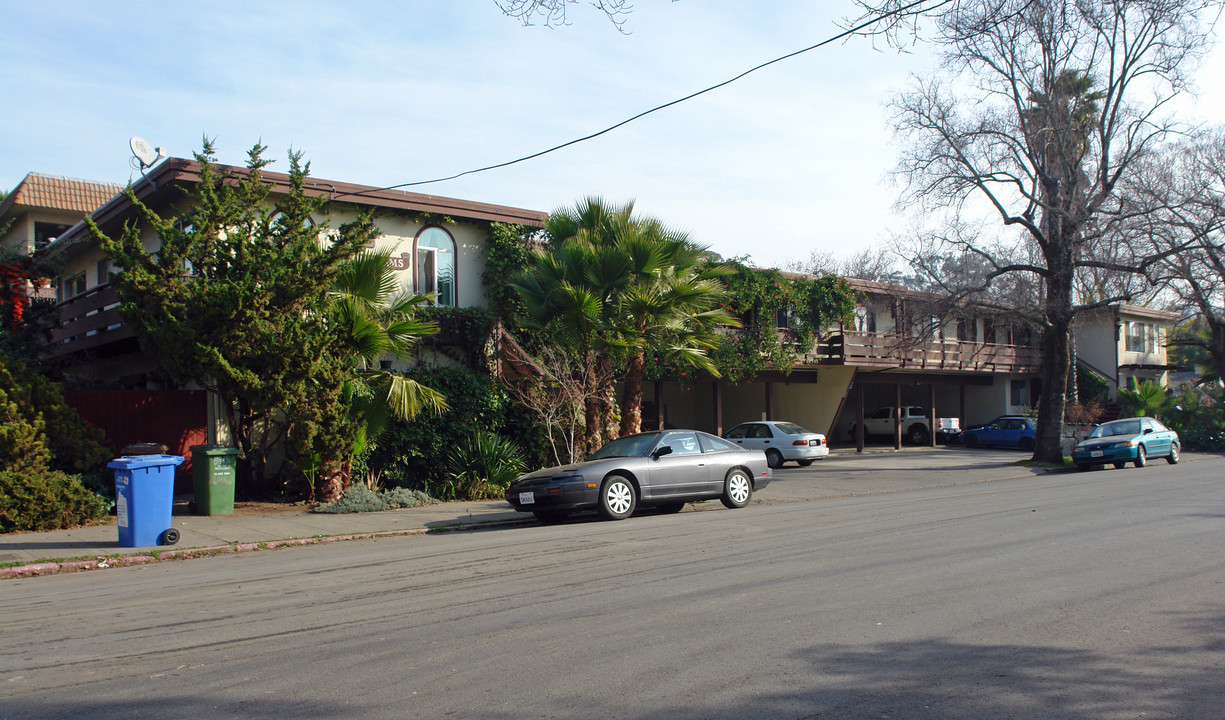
{"x":840,"y":36}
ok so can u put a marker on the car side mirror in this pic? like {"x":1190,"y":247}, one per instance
{"x":1147,"y":430}
{"x":661,"y":451}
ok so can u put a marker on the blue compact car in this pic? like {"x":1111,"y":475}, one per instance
{"x":1008,"y":431}
{"x":1133,"y":440}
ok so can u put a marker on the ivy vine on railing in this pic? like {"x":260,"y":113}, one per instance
{"x":784,"y":317}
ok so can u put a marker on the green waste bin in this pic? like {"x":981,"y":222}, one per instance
{"x":214,"y":468}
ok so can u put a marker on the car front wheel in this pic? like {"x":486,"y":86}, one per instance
{"x":1172,"y":458}
{"x":774,"y":458}
{"x":970,"y":441}
{"x":1141,"y":457}
{"x":737,"y":489}
{"x":617,"y":498}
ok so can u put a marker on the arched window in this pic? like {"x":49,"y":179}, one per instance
{"x":436,"y":265}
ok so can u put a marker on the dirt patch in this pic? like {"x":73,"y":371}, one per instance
{"x":250,"y":508}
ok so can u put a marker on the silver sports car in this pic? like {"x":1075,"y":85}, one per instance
{"x":663,"y":469}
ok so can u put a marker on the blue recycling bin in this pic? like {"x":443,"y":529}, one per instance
{"x":144,"y":499}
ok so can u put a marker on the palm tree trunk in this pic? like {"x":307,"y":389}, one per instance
{"x":631,"y":398}
{"x":591,"y":407}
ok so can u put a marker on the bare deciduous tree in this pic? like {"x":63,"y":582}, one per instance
{"x":1042,"y":110}
{"x":1180,"y":208}
{"x":556,"y":391}
{"x":553,"y":13}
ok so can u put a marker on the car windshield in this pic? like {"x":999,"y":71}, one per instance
{"x":791,"y":428}
{"x":1121,"y":427}
{"x":628,"y":446}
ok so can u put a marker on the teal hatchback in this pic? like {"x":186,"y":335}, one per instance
{"x":1133,"y":440}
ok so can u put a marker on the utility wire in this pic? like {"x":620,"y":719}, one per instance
{"x":840,"y":36}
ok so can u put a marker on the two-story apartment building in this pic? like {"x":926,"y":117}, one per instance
{"x":1124,"y":345}
{"x":43,"y":207}
{"x":436,"y":243}
{"x":898,"y":350}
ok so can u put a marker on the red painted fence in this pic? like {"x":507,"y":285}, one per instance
{"x":174,"y":418}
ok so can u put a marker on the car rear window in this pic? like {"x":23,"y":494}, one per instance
{"x":710,"y":443}
{"x":791,"y":428}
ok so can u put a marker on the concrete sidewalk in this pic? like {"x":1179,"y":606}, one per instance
{"x":86,"y":548}
{"x":844,"y":473}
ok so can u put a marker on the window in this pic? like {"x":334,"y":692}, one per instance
{"x":71,"y":286}
{"x":865,"y":319}
{"x":104,"y":271}
{"x":436,"y":265}
{"x":988,"y":331}
{"x":45,"y":233}
{"x":738,"y":432}
{"x":1019,"y":393}
{"x":963,"y":330}
{"x":761,"y":432}
{"x":1141,"y":337}
{"x":683,"y":443}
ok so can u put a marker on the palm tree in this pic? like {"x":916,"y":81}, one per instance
{"x":673,"y":304}
{"x":376,"y":320}
{"x":615,"y":284}
{"x":566,"y":291}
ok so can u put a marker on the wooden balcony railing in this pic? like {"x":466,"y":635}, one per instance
{"x":886,"y":350}
{"x":891,"y":351}
{"x":87,"y":321}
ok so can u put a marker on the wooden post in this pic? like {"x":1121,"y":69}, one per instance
{"x":897,"y":419}
{"x":718,"y":391}
{"x":931,"y":416}
{"x":769,"y":401}
{"x":859,"y":432}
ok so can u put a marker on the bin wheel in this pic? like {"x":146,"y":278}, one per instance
{"x":170,"y":537}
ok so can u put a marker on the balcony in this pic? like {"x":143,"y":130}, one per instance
{"x":886,"y":350}
{"x":87,"y":322}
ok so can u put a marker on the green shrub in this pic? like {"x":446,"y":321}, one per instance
{"x":1199,"y":417}
{"x":64,"y":440}
{"x":359,"y":498}
{"x":42,"y":499}
{"x":482,"y":467}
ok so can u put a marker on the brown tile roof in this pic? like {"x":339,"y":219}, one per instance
{"x":61,"y":193}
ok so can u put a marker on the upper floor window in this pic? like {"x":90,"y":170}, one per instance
{"x":964,"y":326}
{"x":436,"y":265}
{"x":45,"y":233}
{"x":1141,"y":337}
{"x":104,"y":271}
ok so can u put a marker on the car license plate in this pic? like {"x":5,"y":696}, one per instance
{"x":527,"y":498}
{"x":814,"y":442}
{"x":1096,"y":453}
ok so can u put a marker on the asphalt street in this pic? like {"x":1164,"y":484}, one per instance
{"x":1077,"y":595}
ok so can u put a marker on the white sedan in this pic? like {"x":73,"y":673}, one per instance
{"x":780,"y":441}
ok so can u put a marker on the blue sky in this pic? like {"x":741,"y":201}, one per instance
{"x":791,"y":159}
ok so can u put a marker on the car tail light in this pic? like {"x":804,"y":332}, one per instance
{"x":799,"y":442}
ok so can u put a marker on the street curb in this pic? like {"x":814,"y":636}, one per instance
{"x":104,"y":563}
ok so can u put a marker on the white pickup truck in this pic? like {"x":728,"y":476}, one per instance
{"x":914,"y":425}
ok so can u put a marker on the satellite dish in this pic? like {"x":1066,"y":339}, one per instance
{"x":144,"y":152}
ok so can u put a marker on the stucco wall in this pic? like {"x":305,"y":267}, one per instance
{"x":398,"y":234}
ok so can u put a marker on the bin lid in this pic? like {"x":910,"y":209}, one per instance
{"x":144,"y":448}
{"x":215,"y":450}
{"x":132,"y":462}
